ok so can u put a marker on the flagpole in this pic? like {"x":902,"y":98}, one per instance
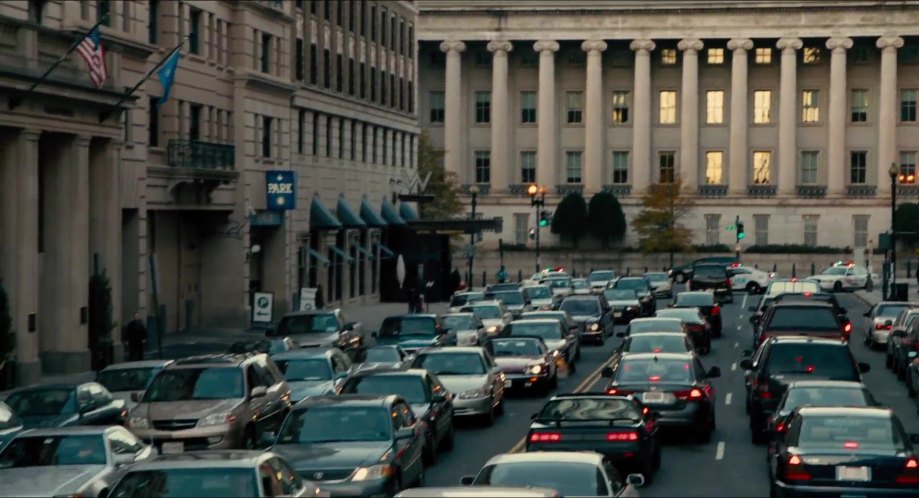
{"x":15,"y":101}
{"x":105,"y":114}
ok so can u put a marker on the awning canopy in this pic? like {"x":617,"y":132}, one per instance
{"x":317,"y":256}
{"x":370,"y":216}
{"x":320,"y":216}
{"x":341,"y":254}
{"x":390,"y":215}
{"x":366,"y":253}
{"x":407,"y":212}
{"x":347,"y":216}
{"x":385,"y":252}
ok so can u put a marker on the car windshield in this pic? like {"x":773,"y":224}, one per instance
{"x":557,"y":283}
{"x":656,"y":277}
{"x":835,"y":270}
{"x":410,"y":387}
{"x":40,"y":451}
{"x":656,"y":343}
{"x":382,"y":355}
{"x":460,"y":322}
{"x":462,"y":299}
{"x":43,"y":402}
{"x":567,"y":478}
{"x":687,"y":315}
{"x":510,"y":297}
{"x":638,"y":284}
{"x":539,"y":292}
{"x":8,"y":418}
{"x":305,"y":369}
{"x":403,"y":326}
{"x":451,"y":363}
{"x":548,"y":330}
{"x":640,"y":326}
{"x":825,"y":396}
{"x":620,"y":294}
{"x":576,"y":408}
{"x":510,"y":347}
{"x":332,"y":424}
{"x":600,"y":276}
{"x":694,"y":300}
{"x":802,"y":318}
{"x":850,"y":432}
{"x":710,"y":271}
{"x":656,"y":370}
{"x":581,"y":307}
{"x":580,"y":284}
{"x":181,"y":482}
{"x":890,"y":310}
{"x":321,"y":323}
{"x":183,"y":384}
{"x":823,"y":360}
{"x":484,"y":312}
{"x":127,"y":379}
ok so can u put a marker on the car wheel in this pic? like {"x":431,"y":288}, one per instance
{"x":657,"y":454}
{"x":602,"y":340}
{"x":757,"y":434}
{"x":837,"y":287}
{"x":753,"y":288}
{"x":647,"y":469}
{"x":901,"y":370}
{"x":499,"y":409}
{"x":397,"y":483}
{"x":888,"y":361}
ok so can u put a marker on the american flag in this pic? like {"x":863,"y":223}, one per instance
{"x":91,"y":51}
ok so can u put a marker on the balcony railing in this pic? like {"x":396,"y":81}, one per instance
{"x":713,"y":190}
{"x":569,"y":188}
{"x":618,"y":189}
{"x":908,"y":190}
{"x":200,"y":155}
{"x":811,"y":191}
{"x":862,"y":191}
{"x":761,"y":190}
{"x":484,"y":188}
{"x":518,"y":188}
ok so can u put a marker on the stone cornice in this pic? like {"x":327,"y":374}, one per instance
{"x":660,"y":7}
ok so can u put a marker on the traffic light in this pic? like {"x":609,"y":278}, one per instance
{"x":543,"y":218}
{"x":740,"y":232}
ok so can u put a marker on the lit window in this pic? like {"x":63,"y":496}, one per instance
{"x":810,"y":106}
{"x":620,"y":107}
{"x":809,"y":167}
{"x":620,"y":167}
{"x":811,"y":55}
{"x":482,"y":166}
{"x":668,"y":56}
{"x":858,"y":167}
{"x":859,"y":106}
{"x":762,"y":55}
{"x":573,"y":166}
{"x":715,"y":56}
{"x":762,"y":165}
{"x":668,"y":107}
{"x":762,"y":106}
{"x":574,"y":107}
{"x":908,"y":166}
{"x":714,"y":107}
{"x":714,"y":168}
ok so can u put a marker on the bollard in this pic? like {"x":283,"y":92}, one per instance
{"x":775,"y":268}
{"x":646,"y":269}
{"x":909,"y":267}
{"x":813,"y":269}
{"x":484,"y":278}
{"x":628,"y":271}
{"x":794,"y":273}
{"x":520,"y":275}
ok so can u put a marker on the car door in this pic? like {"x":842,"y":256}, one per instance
{"x":411,"y":449}
{"x":613,"y":478}
{"x":278,"y":392}
{"x":494,"y":374}
{"x":442,"y":410}
{"x":259,"y":407}
{"x":102,"y":411}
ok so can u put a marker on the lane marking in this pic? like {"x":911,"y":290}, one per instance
{"x":727,"y":398}
{"x":733,"y":367}
{"x":743,"y":305}
{"x":736,"y":344}
{"x":719,"y":453}
{"x":738,"y":328}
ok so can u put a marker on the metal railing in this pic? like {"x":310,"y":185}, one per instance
{"x":200,"y":155}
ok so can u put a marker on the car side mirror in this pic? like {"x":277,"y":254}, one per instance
{"x":405,"y":433}
{"x":713,"y":373}
{"x":136,"y":397}
{"x":746,"y":364}
{"x":864,"y":367}
{"x":467,"y":480}
{"x":268,"y":438}
{"x":258,"y":392}
{"x":533,"y":416}
{"x":752,"y":308}
{"x":87,"y":406}
{"x":866,"y":314}
{"x":606,"y":372}
{"x":636,"y":480}
{"x":122,"y":459}
{"x":898,"y":333}
{"x":438,"y":398}
{"x":754,"y":319}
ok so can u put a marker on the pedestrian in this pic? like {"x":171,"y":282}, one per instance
{"x":502,"y":275}
{"x":135,"y":338}
{"x":320,"y":301}
{"x":412,"y":300}
{"x":455,"y":281}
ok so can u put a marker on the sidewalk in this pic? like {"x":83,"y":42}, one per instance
{"x":876,"y":295}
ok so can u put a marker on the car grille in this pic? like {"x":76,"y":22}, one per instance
{"x":325,"y":475}
{"x":174,"y":425}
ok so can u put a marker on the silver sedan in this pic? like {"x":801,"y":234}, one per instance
{"x":472,"y":375}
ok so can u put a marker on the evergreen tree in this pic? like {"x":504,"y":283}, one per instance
{"x":570,"y":218}
{"x":605,"y":219}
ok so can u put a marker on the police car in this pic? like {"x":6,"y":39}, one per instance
{"x":751,"y":280}
{"x":844,"y":275}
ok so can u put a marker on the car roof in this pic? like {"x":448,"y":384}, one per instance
{"x":348,"y":400}
{"x":312,"y":312}
{"x":138,"y":364}
{"x":416,"y":315}
{"x":76,"y":430}
{"x":802,"y":304}
{"x":304,"y":353}
{"x":661,"y":356}
{"x":847,"y":411}
{"x":464,"y":314}
{"x":56,"y":386}
{"x":214,"y":360}
{"x":384,"y":346}
{"x":475,"y":491}
{"x":826,"y":383}
{"x":490,"y":302}
{"x":205,"y":459}
{"x":652,"y":334}
{"x":544,"y":312}
{"x":798,"y":339}
{"x":589,"y":457}
{"x":631,"y":278}
{"x":453,"y":349}
{"x":524,"y":321}
{"x":582,"y":297}
{"x":711,"y":263}
{"x":653,"y":318}
{"x":417,"y":372}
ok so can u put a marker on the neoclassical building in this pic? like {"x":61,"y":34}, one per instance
{"x":786,"y":114}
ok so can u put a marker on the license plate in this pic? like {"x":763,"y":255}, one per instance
{"x":862,"y":474}
{"x":173,"y":448}
{"x":508,"y":383}
{"x":653,"y":397}
{"x":617,"y":314}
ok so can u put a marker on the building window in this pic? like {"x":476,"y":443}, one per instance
{"x":437,"y":107}
{"x":328,"y":136}
{"x":37,"y":11}
{"x":908,"y":105}
{"x":352,"y":76}
{"x":482,"y":107}
{"x":528,"y":58}
{"x":908,"y":166}
{"x":574,"y":107}
{"x":668,"y":56}
{"x":153,"y":122}
{"x":104,"y":12}
{"x":411,"y":97}
{"x":573,"y":166}
{"x":528,"y":107}
{"x":481,"y":58}
{"x":858,"y":167}
{"x":315,"y":133}
{"x":714,"y":107}
{"x":374,"y":136}
{"x":809,"y":167}
{"x":301,"y":132}
{"x":860,"y":224}
{"x":715,"y":56}
{"x":363,"y":85}
{"x":327,"y":69}
{"x":576,"y":57}
{"x":810,"y":229}
{"x":153,"y":17}
{"x":810,"y":106}
{"x":373,"y":23}
{"x":341,"y":138}
{"x":392,"y":90}
{"x":620,"y":167}
{"x":667,"y":107}
{"x":373,"y":84}
{"x":521,"y":228}
{"x":339,"y":74}
{"x":860,"y":54}
{"x":762,"y":106}
{"x":266,"y":136}
{"x":620,"y":102}
{"x":714,"y":167}
{"x":298,"y":60}
{"x":482,"y":166}
{"x":712,"y":229}
{"x":762,"y":166}
{"x":667,"y":166}
{"x":314,"y":65}
{"x":194,"y":122}
{"x":761,"y":229}
{"x":365,"y":145}
{"x":528,"y":166}
{"x":762,"y":55}
{"x":194,"y":36}
{"x":859,"y":106}
{"x":811,"y":55}
{"x":909,"y":54}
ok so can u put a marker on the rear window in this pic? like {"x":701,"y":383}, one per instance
{"x":408,"y":325}
{"x":702,"y":299}
{"x":678,"y":371}
{"x":850,"y":433}
{"x":710,"y":271}
{"x":590,"y":409}
{"x":637,"y":327}
{"x":599,"y":276}
{"x":631,"y":283}
{"x":802,"y":318}
{"x":776,"y":288}
{"x":822,"y":360}
{"x":825,"y":396}
{"x":178,"y":482}
{"x":510,"y":297}
{"x":890,"y":310}
{"x":654,"y":343}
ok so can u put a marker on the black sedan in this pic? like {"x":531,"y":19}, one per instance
{"x":697,"y":326}
{"x":706,"y":303}
{"x":843,"y":451}
{"x":642,"y":288}
{"x":353,"y":445}
{"x":654,"y":342}
{"x":593,"y":313}
{"x":619,"y":427}
{"x":428,"y":397}
{"x":674,"y":385}
{"x":63,"y":405}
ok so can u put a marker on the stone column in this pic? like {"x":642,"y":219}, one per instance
{"x":594,"y":111}
{"x":836,"y":118}
{"x":689,"y":114}
{"x":737,"y":175}
{"x":501,"y":161}
{"x":788,"y":122}
{"x":547,"y":149}
{"x":887,"y":105}
{"x":453,"y":110}
{"x":641,"y":116}
{"x":105,"y":212}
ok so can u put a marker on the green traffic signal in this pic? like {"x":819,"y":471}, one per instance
{"x":543,"y":219}
{"x":740,"y":231}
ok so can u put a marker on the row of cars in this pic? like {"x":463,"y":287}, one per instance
{"x":893,"y":327}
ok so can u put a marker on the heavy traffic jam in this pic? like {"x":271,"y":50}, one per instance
{"x":422,"y":405}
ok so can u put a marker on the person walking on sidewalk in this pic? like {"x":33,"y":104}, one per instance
{"x":502,"y":275}
{"x":135,"y":338}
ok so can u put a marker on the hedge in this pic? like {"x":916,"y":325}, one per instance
{"x":796,"y":249}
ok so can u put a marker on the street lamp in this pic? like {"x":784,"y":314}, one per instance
{"x":537,"y":202}
{"x":474,"y":191}
{"x":894,"y":172}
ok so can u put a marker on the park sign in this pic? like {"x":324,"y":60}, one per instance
{"x":281,"y":190}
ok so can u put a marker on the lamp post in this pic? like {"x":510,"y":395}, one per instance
{"x":474,"y":191}
{"x":894,"y":172}
{"x":537,"y":200}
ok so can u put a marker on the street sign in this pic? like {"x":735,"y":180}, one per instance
{"x":281,"y":190}
{"x":261,"y":307}
{"x":308,"y":298}
{"x":730,"y":227}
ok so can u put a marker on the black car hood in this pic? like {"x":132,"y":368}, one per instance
{"x":335,"y":455}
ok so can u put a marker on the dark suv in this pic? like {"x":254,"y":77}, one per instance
{"x":783,"y":360}
{"x":683,"y":273}
{"x":712,"y":277}
{"x":814,"y":319}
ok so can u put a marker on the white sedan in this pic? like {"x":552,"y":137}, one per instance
{"x":840,"y":277}
{"x":751,"y":280}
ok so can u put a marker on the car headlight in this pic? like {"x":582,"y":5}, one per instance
{"x":492,"y":330}
{"x":594,"y":326}
{"x":217,"y":419}
{"x":475,"y":393}
{"x":139,"y":423}
{"x":534,"y":369}
{"x":373,"y":472}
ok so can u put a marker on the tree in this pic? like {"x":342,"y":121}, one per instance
{"x":906,"y":222}
{"x":605,"y":219}
{"x":658,"y":225}
{"x":442,"y":185}
{"x":570,"y":218}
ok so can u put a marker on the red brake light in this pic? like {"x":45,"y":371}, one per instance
{"x":654,"y":378}
{"x":622,"y":436}
{"x":912,"y":463}
{"x":692,"y":394}
{"x":656,"y":350}
{"x":780,"y":428}
{"x":848,"y":328}
{"x":545,"y":437}
{"x":695,"y":394}
{"x":850,"y":445}
{"x":793,"y":470}
{"x":911,"y":473}
{"x":794,"y":460}
{"x":618,"y":392}
{"x":716,"y":310}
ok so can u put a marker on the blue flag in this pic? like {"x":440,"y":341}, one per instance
{"x":167,"y":75}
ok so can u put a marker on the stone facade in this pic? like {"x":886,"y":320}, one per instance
{"x":788,"y":116}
